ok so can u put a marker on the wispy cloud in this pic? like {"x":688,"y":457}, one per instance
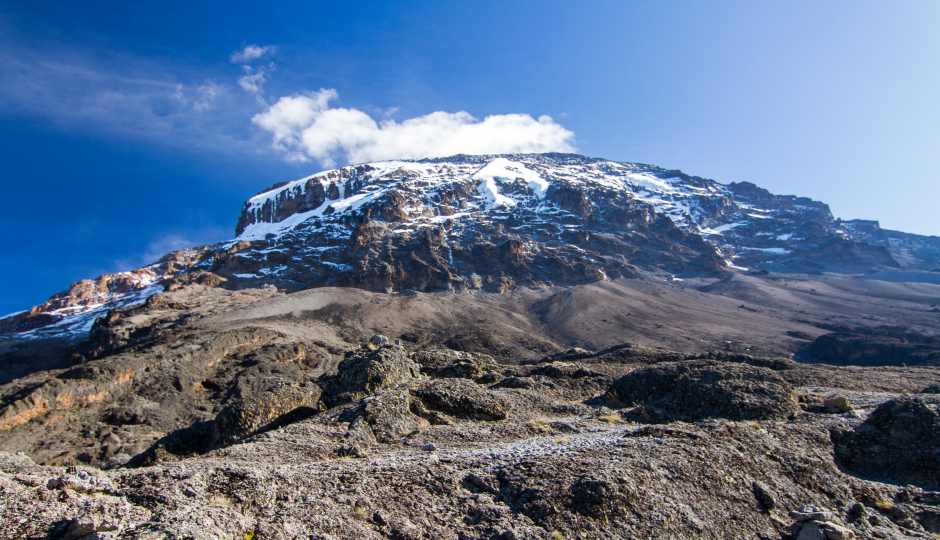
{"x":251,"y":53}
{"x":120,"y":93}
{"x":305,"y":126}
{"x":254,"y":78}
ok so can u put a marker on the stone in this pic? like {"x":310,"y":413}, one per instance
{"x":811,"y":531}
{"x":430,"y":447}
{"x":696,"y":390}
{"x":390,"y":416}
{"x":839,"y":403}
{"x":836,"y":532}
{"x":377,"y":341}
{"x":809,"y":512}
{"x":763,"y":495}
{"x":246,"y":416}
{"x":363,"y":373}
{"x":899,"y":442}
{"x":445,"y":363}
{"x":856,"y":512}
{"x":460,"y":398}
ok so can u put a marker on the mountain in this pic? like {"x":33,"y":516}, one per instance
{"x":488,"y":347}
{"x":497,"y":222}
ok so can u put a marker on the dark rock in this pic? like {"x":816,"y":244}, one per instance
{"x":856,"y":512}
{"x":874,"y":347}
{"x":899,"y":442}
{"x":460,"y":398}
{"x":764,"y":495}
{"x":247,"y":416}
{"x":701,"y":389}
{"x":363,"y":373}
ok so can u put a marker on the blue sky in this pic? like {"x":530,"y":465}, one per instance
{"x":129,"y":130}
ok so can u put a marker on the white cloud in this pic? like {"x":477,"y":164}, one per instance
{"x":251,"y":53}
{"x":304,"y":126}
{"x":253,"y":81}
{"x":254,"y":78}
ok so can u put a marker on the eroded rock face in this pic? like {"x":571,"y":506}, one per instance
{"x":899,"y":442}
{"x":697,"y":390}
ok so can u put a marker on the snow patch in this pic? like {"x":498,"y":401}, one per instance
{"x":504,"y":169}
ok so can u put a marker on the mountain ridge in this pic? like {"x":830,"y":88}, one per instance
{"x":496,"y":222}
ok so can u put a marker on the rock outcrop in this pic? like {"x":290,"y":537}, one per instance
{"x":366,"y":371}
{"x":492,"y":461}
{"x":698,"y":390}
{"x":899,"y":442}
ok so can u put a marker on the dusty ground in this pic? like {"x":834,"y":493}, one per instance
{"x":746,"y":311}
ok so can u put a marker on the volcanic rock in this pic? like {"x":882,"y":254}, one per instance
{"x":366,"y":371}
{"x":899,"y":442}
{"x":697,"y":390}
{"x":246,"y":416}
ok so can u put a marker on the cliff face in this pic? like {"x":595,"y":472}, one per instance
{"x":497,"y":222}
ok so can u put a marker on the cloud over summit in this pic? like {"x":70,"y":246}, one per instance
{"x":305,"y":126}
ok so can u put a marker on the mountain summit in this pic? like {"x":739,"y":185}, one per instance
{"x":496,"y":222}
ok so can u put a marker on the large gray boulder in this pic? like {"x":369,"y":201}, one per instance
{"x":705,"y":389}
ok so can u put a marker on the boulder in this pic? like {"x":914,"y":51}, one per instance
{"x":364,"y":372}
{"x":442,"y":362}
{"x":275,"y":405}
{"x":703,"y":389}
{"x":898,"y":443}
{"x":389,"y":416}
{"x":460,"y":398}
{"x":377,"y":342}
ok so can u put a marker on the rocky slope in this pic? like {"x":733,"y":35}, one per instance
{"x":497,"y":222}
{"x":444,"y":444}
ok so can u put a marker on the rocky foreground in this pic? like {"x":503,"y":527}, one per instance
{"x":629,"y":442}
